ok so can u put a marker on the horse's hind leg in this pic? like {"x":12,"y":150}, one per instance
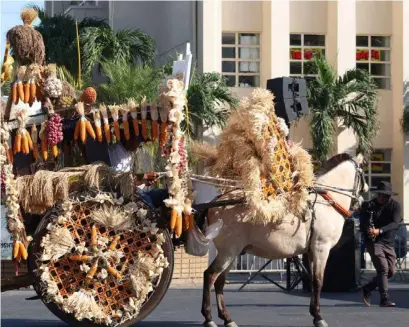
{"x":221,"y":307}
{"x":218,"y":266}
{"x":318,"y":260}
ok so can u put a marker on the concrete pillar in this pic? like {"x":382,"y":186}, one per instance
{"x":340,"y":52}
{"x":275,"y":40}
{"x":400,"y":98}
{"x":210,"y":35}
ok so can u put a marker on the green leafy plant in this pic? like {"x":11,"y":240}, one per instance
{"x":209,"y":101}
{"x":129,"y":81}
{"x":59,"y":34}
{"x":5,"y":88}
{"x":102,"y":43}
{"x":405,"y":120}
{"x":350,"y":98}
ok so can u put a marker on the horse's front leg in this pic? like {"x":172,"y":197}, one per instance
{"x":318,"y":260}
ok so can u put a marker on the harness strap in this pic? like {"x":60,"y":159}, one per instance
{"x":336,"y":205}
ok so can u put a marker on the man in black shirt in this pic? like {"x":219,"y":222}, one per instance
{"x":379,"y":221}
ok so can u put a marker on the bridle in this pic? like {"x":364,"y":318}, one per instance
{"x":354,"y":193}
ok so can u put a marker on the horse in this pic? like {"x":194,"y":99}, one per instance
{"x":314,"y":234}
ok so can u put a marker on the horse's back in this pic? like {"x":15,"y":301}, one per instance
{"x":272,"y":240}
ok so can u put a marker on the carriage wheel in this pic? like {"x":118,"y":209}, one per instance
{"x":112,"y":293}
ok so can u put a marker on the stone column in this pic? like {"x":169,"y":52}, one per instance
{"x":210,"y":35}
{"x":275,"y":40}
{"x":340,"y":52}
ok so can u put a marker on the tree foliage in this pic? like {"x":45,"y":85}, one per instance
{"x":127,"y":80}
{"x":102,"y":43}
{"x":209,"y":100}
{"x":59,"y":34}
{"x":351,"y":98}
{"x":405,"y":120}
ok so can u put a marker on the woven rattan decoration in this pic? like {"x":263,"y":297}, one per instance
{"x":281,"y":179}
{"x":102,"y":271}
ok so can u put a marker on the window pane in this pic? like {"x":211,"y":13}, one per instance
{"x":228,"y":38}
{"x":309,"y":53}
{"x":383,"y":83}
{"x":230,"y":80}
{"x":228,"y":66}
{"x":295,"y":54}
{"x":249,"y":81}
{"x":381,"y":69}
{"x":295,"y":68}
{"x":310,"y":68}
{"x":249,"y":53}
{"x":362,"y":54}
{"x":380,"y":168}
{"x":363,"y":66}
{"x":380,"y":41}
{"x":380,"y":55}
{"x":249,"y":67}
{"x":295,"y":39}
{"x":381,"y":155}
{"x":314,"y":40}
{"x":249,"y":39}
{"x":228,"y":52}
{"x":362,"y":41}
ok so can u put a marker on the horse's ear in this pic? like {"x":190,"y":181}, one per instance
{"x":359,"y":159}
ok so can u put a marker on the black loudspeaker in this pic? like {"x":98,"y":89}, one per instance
{"x":290,"y":97}
{"x":342,"y":273}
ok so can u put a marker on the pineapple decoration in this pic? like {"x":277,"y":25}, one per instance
{"x":89,"y":96}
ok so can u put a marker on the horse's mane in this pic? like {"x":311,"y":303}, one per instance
{"x":332,"y":163}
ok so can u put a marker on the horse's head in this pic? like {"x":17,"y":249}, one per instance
{"x":360,"y":185}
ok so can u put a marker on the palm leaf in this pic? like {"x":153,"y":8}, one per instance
{"x":127,"y":80}
{"x":209,"y":100}
{"x":350,"y":98}
{"x":123,"y":46}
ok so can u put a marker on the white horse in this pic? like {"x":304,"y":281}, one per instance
{"x":315,"y":235}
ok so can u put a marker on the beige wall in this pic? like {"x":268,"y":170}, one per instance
{"x":231,"y":10}
{"x":374,"y":17}
{"x":308,"y":17}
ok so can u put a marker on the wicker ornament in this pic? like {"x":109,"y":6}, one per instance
{"x":100,"y":261}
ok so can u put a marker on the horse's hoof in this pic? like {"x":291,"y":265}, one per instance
{"x":231,"y":324}
{"x":209,"y":324}
{"x":321,"y":323}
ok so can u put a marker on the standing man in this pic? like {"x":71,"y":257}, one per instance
{"x":380,"y":219}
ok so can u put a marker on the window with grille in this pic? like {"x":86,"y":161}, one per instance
{"x":303,"y":47}
{"x":84,"y":3}
{"x":241,"y":59}
{"x":373,"y":54}
{"x":378,"y":169}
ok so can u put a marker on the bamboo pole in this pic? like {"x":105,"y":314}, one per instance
{"x":79,"y":55}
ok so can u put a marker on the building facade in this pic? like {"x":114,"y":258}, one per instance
{"x":253,"y":41}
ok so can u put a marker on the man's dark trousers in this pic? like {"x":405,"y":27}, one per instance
{"x":384,"y":259}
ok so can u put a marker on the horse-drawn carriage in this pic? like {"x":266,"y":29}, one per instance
{"x":99,"y":252}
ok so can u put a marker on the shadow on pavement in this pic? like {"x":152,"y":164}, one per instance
{"x":56,"y":323}
{"x":31,"y":323}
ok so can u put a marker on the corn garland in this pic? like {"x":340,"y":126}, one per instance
{"x":180,"y":196}
{"x":14,"y":224}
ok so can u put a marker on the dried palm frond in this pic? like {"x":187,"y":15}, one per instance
{"x":113,"y":217}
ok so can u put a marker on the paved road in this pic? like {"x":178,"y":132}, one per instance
{"x":256,"y":306}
